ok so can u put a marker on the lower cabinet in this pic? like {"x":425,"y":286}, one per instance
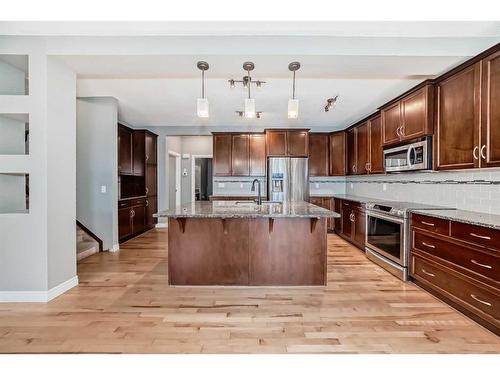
{"x":132,"y":215}
{"x":460,"y":266}
{"x":352,"y":222}
{"x":325,"y":202}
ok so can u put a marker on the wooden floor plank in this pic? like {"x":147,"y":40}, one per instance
{"x":124,"y":305}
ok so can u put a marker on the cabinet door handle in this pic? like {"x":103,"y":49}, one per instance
{"x":476,"y":156}
{"x":427,"y":245}
{"x":428,"y":273}
{"x":403,"y":130}
{"x":397,"y":131}
{"x":147,"y":190}
{"x":132,"y":213}
{"x":147,"y":157}
{"x":483,"y":148}
{"x":480,"y":300}
{"x":147,"y":203}
{"x":481,"y":264}
{"x":478,"y":236}
{"x":426,"y":223}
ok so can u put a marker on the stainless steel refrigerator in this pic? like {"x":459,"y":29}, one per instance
{"x":288,"y":179}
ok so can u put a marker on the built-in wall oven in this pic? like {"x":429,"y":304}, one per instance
{"x":415,"y":156}
{"x":386,"y":238}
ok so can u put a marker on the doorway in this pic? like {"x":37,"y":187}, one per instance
{"x":201,"y":182}
{"x":174,"y":176}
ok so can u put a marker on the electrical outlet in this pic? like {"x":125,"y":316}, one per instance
{"x":103,"y":189}
{"x":221,"y":185}
{"x":316,"y":185}
{"x":351,"y":185}
{"x":384,"y":187}
{"x":241,"y":185}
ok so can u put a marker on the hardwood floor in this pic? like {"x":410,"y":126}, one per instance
{"x":123,"y":304}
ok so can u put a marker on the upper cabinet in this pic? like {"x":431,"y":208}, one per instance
{"x":338,"y":153}
{"x":318,"y":154}
{"x":287,"y":143}
{"x":124,"y":150}
{"x":409,"y":117}
{"x":239,"y":154}
{"x":257,"y":154}
{"x":222,"y":154}
{"x":364,"y":147}
{"x":490,"y":111}
{"x":139,"y":152}
{"x":457,"y":120}
{"x":468,"y":115}
{"x":376,"y":160}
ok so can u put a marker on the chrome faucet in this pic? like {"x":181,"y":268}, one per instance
{"x":259,"y":198}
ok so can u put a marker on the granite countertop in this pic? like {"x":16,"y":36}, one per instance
{"x":230,"y":209}
{"x":462,"y":216}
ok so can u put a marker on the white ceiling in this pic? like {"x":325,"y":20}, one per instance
{"x":156,"y":81}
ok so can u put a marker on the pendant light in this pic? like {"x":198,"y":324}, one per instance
{"x":249,"y":102}
{"x":293,"y":104}
{"x":202,"y":103}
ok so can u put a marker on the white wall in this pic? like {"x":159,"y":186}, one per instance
{"x":97,"y":166}
{"x":61,"y":172}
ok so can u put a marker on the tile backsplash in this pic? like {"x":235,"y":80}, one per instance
{"x":466,"y":190}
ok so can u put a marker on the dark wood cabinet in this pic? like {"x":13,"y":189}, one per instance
{"x":222,"y":154}
{"x":362,"y":148}
{"x":352,"y":222}
{"x":376,"y":159}
{"x":351,"y":151}
{"x":298,"y":143}
{"x":287,"y":142}
{"x":459,"y":264}
{"x":409,"y":117}
{"x":240,"y":155}
{"x":490,"y":111}
{"x":325,"y":202}
{"x":276,"y":143}
{"x":319,"y":154}
{"x":138,"y":152}
{"x":391,"y":123}
{"x":124,"y":150}
{"x":257,"y":154}
{"x":457,"y":124}
{"x":139,"y":184}
{"x":338,"y":154}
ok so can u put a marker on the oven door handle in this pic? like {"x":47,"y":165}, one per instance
{"x":385,"y":217}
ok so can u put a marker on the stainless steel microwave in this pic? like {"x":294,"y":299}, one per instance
{"x":415,"y":156}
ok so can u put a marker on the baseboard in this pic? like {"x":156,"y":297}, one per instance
{"x":38,"y":296}
{"x":161,"y":225}
{"x":115,"y":248}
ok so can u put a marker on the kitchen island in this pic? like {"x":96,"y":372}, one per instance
{"x":242,"y":243}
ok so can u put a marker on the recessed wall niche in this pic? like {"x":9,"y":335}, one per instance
{"x":14,"y":193}
{"x":14,"y":134}
{"x":14,"y":75}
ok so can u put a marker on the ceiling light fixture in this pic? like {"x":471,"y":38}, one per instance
{"x":202,"y":103}
{"x":293,"y":104}
{"x":331,"y":103}
{"x":249,"y":102}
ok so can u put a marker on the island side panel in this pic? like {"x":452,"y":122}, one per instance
{"x":287,"y":252}
{"x":209,"y":252}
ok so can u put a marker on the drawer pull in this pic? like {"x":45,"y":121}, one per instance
{"x":428,"y":273}
{"x":426,"y":223}
{"x":426,"y":244}
{"x":480,"y":300}
{"x":478,"y":236}
{"x":481,"y":264}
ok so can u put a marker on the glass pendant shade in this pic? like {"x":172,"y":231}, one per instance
{"x":202,"y":107}
{"x":249,"y":108}
{"x":293,"y":108}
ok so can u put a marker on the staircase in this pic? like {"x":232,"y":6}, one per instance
{"x":85,"y":245}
